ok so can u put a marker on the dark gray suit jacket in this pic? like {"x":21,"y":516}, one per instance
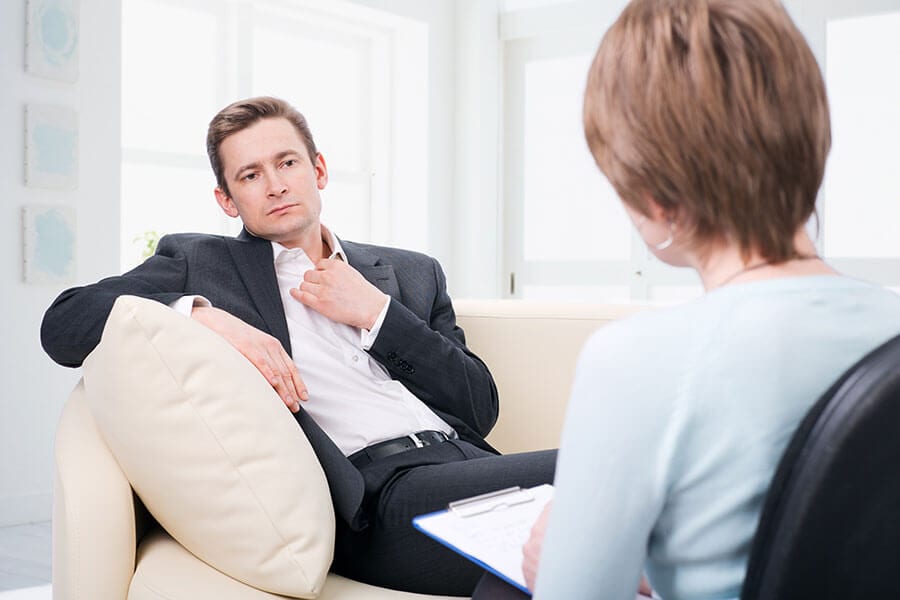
{"x":419,"y":342}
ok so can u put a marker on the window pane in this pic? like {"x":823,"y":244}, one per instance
{"x":862,"y":183}
{"x":169,"y":76}
{"x":345,"y":210}
{"x":572,"y":212}
{"x":325,"y":77}
{"x":577,"y":293}
{"x":166,"y":200}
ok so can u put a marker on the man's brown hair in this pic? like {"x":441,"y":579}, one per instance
{"x":717,"y":110}
{"x":242,"y":114}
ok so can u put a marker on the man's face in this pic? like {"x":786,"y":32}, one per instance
{"x":274,"y":184}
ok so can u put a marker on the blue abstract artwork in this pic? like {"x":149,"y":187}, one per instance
{"x":52,"y":39}
{"x":49,"y":248}
{"x":51,"y":147}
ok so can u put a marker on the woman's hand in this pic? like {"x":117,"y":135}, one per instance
{"x":532,"y":548}
{"x":532,"y":554}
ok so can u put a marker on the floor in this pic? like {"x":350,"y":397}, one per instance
{"x":41,"y":592}
{"x":24,"y":556}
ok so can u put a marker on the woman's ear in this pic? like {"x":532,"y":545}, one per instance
{"x":658,"y":213}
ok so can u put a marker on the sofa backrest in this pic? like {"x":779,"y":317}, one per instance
{"x":531,"y":348}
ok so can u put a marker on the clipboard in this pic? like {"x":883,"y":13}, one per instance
{"x":490,"y":529}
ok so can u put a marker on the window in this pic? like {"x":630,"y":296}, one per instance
{"x":169,"y":92}
{"x":862,"y":185}
{"x":341,"y":64}
{"x":566,"y":236}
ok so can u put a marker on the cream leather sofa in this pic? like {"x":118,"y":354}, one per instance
{"x":106,"y":547}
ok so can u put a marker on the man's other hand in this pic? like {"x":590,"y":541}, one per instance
{"x":264,"y":351}
{"x":338,"y":291}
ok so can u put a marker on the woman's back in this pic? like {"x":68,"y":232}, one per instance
{"x":710,"y":119}
{"x":680,"y":416}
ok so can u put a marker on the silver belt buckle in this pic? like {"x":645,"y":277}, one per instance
{"x":419,"y":443}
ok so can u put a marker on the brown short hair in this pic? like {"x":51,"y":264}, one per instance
{"x":717,"y":110}
{"x":242,"y":114}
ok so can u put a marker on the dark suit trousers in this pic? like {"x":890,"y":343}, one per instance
{"x":492,"y":587}
{"x":390,"y":552}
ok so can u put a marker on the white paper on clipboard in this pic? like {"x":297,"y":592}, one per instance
{"x":491,"y":529}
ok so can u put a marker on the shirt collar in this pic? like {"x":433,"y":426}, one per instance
{"x":336,"y":250}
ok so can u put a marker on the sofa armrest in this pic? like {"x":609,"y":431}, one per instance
{"x":531,"y":348}
{"x":94,"y":538}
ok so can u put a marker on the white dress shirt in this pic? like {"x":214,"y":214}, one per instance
{"x":351,"y":396}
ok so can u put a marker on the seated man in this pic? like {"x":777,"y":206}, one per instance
{"x":363,"y":337}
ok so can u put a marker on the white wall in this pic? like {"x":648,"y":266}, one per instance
{"x":32,"y":387}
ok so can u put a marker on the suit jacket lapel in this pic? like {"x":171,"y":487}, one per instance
{"x":255,"y":264}
{"x":369,"y":265}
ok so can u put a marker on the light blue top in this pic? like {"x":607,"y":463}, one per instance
{"x":676,"y":423}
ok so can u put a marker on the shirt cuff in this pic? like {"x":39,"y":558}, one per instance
{"x":368,"y":336}
{"x":185,"y":304}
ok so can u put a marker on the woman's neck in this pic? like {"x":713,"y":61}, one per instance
{"x":724,"y":264}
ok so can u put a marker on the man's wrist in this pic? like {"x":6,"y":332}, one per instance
{"x":368,"y":336}
{"x":186,"y":304}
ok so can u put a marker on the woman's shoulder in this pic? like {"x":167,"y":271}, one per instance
{"x":654,"y":327}
{"x":638,"y":361}
{"x":716,"y":325}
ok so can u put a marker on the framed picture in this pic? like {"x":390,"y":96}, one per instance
{"x":51,"y":39}
{"x":51,"y":147}
{"x":48,"y":234}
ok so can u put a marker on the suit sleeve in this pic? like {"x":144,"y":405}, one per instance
{"x":73,"y":324}
{"x":431,"y":359}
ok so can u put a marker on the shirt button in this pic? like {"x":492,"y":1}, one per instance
{"x":355,"y":358}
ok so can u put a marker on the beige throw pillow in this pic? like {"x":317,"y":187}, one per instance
{"x":210,"y":448}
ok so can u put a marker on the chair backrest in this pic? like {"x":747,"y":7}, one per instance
{"x":830,"y":526}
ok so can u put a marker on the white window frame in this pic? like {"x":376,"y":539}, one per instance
{"x":560,"y":30}
{"x":551,"y":32}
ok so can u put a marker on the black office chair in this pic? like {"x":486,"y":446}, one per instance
{"x":830,"y":525}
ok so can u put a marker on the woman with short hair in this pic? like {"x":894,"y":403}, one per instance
{"x":710,"y":119}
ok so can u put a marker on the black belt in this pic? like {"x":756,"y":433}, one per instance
{"x":370,"y":454}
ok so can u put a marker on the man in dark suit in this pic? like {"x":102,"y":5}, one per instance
{"x":364,"y":337}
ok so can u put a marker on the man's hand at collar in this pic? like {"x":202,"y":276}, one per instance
{"x":339,"y":292}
